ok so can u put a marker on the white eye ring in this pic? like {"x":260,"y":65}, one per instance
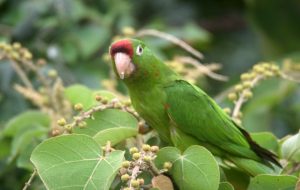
{"x":139,"y":50}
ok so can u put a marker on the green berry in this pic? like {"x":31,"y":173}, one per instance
{"x":133,"y":150}
{"x":78,"y":107}
{"x":274,"y":68}
{"x":104,"y":101}
{"x":27,"y":55}
{"x":240,"y":115}
{"x":126,"y":164}
{"x":98,"y":98}
{"x":136,"y":156}
{"x":269,"y":73}
{"x":82,"y":124}
{"x":258,"y":69}
{"x":167,"y":165}
{"x":16,"y":45}
{"x":141,"y":181}
{"x":135,"y":183}
{"x":238,"y":88}
{"x":146,"y":147}
{"x":227,"y":110}
{"x":154,"y":149}
{"x":147,"y":158}
{"x":125,"y":177}
{"x":127,"y":103}
{"x":52,"y":73}
{"x":266,"y":65}
{"x":248,"y":94}
{"x":128,"y":31}
{"x":245,"y":76}
{"x":247,"y":84}
{"x":61,"y":122}
{"x":232,"y":96}
{"x":15,"y":56}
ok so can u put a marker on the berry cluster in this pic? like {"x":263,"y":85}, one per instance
{"x":243,"y":91}
{"x":142,"y":160}
{"x":15,"y":51}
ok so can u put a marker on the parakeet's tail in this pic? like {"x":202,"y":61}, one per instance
{"x":263,"y":153}
{"x":253,"y":167}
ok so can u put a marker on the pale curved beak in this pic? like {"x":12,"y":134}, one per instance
{"x":124,"y":65}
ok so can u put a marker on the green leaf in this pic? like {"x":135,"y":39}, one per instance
{"x":239,"y":179}
{"x":110,"y":118}
{"x":225,"y":186}
{"x":25,"y":138}
{"x":26,"y":120}
{"x":114,"y":135}
{"x":266,"y":140}
{"x":81,"y":94}
{"x":90,"y":39}
{"x":274,"y":182}
{"x":290,"y":148}
{"x":75,"y":162}
{"x":195,"y":169}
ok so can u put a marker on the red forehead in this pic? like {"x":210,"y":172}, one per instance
{"x":124,"y":46}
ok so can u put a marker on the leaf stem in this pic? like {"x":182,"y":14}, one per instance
{"x":28,"y":183}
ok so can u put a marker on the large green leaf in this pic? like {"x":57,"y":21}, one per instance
{"x":195,"y":169}
{"x":110,"y":118}
{"x":27,"y":119}
{"x":280,"y":182}
{"x":115,"y":135}
{"x":290,"y":148}
{"x":75,"y":162}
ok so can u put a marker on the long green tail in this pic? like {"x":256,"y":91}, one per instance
{"x":253,"y":167}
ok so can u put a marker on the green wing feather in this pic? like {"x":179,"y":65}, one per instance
{"x":196,"y":114}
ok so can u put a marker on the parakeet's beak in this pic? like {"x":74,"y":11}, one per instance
{"x":124,"y":64}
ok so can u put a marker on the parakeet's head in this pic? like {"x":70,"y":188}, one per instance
{"x":133,"y":60}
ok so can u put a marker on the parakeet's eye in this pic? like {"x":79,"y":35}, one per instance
{"x":139,"y":50}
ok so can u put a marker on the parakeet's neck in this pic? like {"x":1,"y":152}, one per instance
{"x":156,"y":73}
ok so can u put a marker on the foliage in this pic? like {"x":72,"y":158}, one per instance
{"x":66,"y":123}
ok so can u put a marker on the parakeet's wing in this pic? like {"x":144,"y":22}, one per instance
{"x":196,"y":114}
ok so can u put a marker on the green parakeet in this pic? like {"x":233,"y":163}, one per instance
{"x":182,"y":113}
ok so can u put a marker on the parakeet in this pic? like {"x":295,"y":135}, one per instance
{"x":181,"y":113}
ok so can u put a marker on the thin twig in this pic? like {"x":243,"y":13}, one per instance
{"x":21,"y":74}
{"x":85,"y":115}
{"x":35,"y":97}
{"x":154,"y":169}
{"x":288,"y":77}
{"x":202,"y":68}
{"x":241,"y":100}
{"x":35,"y":69}
{"x":135,"y":172}
{"x":295,"y":168}
{"x":115,"y":103}
{"x":171,"y":38}
{"x":28,"y":183}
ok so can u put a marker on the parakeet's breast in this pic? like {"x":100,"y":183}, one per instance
{"x":150,"y":104}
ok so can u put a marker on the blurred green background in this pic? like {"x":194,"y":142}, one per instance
{"x":73,"y":36}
